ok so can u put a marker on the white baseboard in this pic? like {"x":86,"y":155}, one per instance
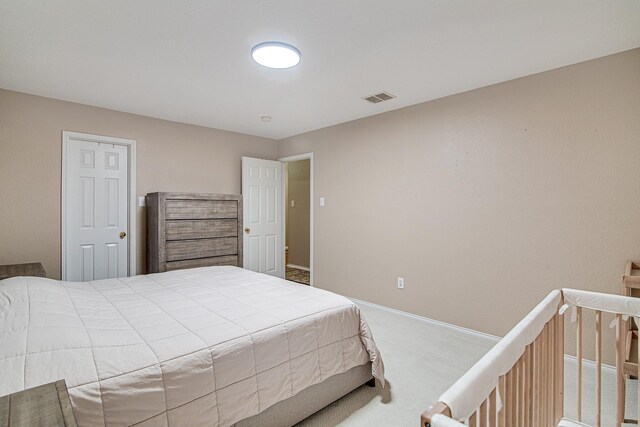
{"x":468,"y":331}
{"x":590,"y":363}
{"x":429,"y":320}
{"x":298,"y":267}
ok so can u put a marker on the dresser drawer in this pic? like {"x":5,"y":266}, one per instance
{"x":201,"y":229}
{"x":201,"y":209}
{"x":202,"y":262}
{"x":201,"y":248}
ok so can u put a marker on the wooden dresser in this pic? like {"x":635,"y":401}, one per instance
{"x":30,"y":269}
{"x":188,"y":230}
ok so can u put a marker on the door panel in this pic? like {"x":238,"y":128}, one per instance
{"x":271,"y":209}
{"x":271,"y":253}
{"x":88,"y":201}
{"x":252,"y":261}
{"x":87,"y":260}
{"x":263,"y":220}
{"x":112,"y":202}
{"x":112,"y":260}
{"x":254,"y":204}
{"x":96,"y":203}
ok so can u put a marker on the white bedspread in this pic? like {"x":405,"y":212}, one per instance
{"x":207,"y":346}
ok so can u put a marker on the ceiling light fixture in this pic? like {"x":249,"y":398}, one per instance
{"x":275,"y":55}
{"x":265,"y":119}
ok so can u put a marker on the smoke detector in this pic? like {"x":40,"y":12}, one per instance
{"x":379,"y":97}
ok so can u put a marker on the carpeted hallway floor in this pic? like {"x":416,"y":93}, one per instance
{"x":422,"y":360}
{"x":298,"y":275}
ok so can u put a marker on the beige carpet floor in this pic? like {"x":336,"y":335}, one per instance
{"x":422,"y":360}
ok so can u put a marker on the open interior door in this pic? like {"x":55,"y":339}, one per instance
{"x":262,"y":187}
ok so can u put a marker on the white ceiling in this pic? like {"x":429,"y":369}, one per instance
{"x":189,"y":61}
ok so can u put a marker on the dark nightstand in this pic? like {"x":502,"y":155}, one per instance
{"x":45,"y":405}
{"x":30,"y":269}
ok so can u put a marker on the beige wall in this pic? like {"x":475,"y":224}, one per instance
{"x":298,"y":223}
{"x":170,"y":157}
{"x":483,"y":201}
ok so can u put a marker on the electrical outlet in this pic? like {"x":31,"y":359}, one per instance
{"x":400,"y":282}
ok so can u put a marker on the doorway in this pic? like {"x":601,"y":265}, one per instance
{"x":298,"y":196}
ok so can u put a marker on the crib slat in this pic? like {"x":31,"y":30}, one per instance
{"x":483,"y":414}
{"x":540,"y":393}
{"x":513,"y":398}
{"x":620,"y":347}
{"x":550,"y":377}
{"x":521,"y":401}
{"x":513,"y":415}
{"x":534,"y":385}
{"x":525,"y":389}
{"x":552,"y":370}
{"x":579,"y":365}
{"x":538,"y":377}
{"x":598,"y":368}
{"x":528,"y":422}
{"x":560,"y":376}
{"x":545,"y":376}
{"x":507,"y":402}
{"x":554,"y":367}
{"x":502,"y":390}
{"x":492,"y":408}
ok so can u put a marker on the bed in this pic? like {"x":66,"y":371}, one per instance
{"x":206,"y":346}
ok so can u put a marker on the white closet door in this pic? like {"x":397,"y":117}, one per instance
{"x":262,"y":184}
{"x":96,"y":220}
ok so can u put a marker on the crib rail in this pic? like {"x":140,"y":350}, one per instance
{"x":622,"y":307}
{"x":519,"y":382}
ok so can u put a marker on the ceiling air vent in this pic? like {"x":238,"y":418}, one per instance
{"x":379,"y":97}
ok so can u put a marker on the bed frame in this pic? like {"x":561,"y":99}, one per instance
{"x":520,"y":381}
{"x":312,"y":399}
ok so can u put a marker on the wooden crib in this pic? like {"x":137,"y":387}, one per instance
{"x":520,"y":381}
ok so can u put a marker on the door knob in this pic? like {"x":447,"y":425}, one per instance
{"x":247,"y":230}
{"x":123,"y":234}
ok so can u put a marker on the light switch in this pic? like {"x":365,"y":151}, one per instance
{"x":321,"y":201}
{"x":293,"y":203}
{"x":142,"y":201}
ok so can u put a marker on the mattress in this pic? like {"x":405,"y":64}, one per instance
{"x":206,"y":346}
